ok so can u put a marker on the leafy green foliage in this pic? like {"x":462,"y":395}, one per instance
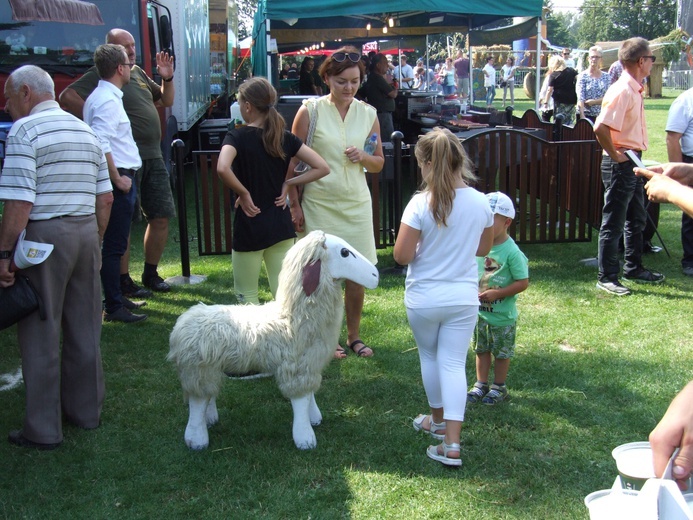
{"x":615,"y":20}
{"x":246,"y":12}
{"x":561,"y":29}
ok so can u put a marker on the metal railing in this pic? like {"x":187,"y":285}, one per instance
{"x":679,"y":79}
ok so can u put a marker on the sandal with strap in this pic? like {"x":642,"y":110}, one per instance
{"x":434,"y":428}
{"x":432,"y":453}
{"x":359,"y":352}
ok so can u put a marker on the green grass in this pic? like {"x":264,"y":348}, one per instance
{"x":591,"y":372}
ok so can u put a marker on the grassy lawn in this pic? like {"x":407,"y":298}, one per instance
{"x":591,"y":372}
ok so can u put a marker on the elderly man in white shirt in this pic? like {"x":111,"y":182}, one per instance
{"x":104,"y":112}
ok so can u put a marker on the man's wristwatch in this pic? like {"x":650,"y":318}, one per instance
{"x":4,"y":255}
{"x":169,"y":80}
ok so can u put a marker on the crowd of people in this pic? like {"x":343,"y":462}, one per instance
{"x":464,"y":271}
{"x":74,"y":172}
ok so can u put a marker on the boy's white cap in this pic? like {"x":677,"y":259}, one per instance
{"x":501,"y":204}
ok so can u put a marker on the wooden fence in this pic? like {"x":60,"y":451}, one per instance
{"x":213,"y":206}
{"x":550,"y":181}
{"x":555,"y":183}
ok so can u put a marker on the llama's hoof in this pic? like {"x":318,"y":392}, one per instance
{"x":306,"y":444}
{"x":196,"y":447}
{"x":304,"y":438}
{"x":315,"y":417}
{"x":196,"y":439}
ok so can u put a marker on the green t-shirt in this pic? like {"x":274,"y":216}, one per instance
{"x":139,"y":97}
{"x":503,"y":265}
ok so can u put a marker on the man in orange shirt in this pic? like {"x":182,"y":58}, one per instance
{"x":620,"y":127}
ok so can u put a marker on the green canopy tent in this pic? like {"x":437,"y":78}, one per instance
{"x":258,"y":60}
{"x":294,"y":23}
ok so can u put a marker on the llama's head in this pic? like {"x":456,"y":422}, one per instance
{"x":320,"y":257}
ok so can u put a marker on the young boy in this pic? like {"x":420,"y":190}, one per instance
{"x":503,"y":274}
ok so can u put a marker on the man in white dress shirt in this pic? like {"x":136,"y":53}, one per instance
{"x":104,"y":112}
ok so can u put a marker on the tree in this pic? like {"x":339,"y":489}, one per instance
{"x":615,"y":20}
{"x":558,"y":30}
{"x":246,"y":12}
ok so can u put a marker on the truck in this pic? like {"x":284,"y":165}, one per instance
{"x":60,"y":36}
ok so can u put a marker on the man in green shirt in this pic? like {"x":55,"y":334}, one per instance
{"x":140,"y":97}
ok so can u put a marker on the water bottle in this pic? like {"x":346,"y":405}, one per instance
{"x":371,"y":144}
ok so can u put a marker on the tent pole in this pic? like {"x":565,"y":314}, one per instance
{"x":269,"y":54}
{"x":427,"y":83}
{"x":471,"y":64}
{"x":537,"y":83}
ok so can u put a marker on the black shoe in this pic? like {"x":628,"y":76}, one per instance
{"x":17,"y":438}
{"x":645,"y":276}
{"x":131,"y":306}
{"x":123,"y":315}
{"x":132,"y":290}
{"x":156,"y":283}
{"x":613,"y":287}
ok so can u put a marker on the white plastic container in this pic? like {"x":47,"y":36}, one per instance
{"x":236,"y":111}
{"x":608,"y":504}
{"x":634,"y":463}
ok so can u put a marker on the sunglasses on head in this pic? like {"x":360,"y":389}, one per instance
{"x":339,"y":57}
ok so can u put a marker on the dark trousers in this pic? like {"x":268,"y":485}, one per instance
{"x":623,"y":215}
{"x":115,"y":243}
{"x":386,"y":126}
{"x":652,"y":222}
{"x":687,"y":231}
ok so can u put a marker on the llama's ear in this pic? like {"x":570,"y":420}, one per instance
{"x":311,"y":277}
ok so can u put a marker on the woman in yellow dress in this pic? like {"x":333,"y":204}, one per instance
{"x":340,"y":204}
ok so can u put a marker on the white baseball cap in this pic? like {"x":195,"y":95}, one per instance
{"x":501,"y":204}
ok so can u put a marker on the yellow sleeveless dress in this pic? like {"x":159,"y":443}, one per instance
{"x":340,"y":203}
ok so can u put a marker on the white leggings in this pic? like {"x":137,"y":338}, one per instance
{"x":443,"y":335}
{"x":247,"y":266}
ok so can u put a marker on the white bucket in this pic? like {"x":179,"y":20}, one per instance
{"x":608,"y":504}
{"x":634,"y":463}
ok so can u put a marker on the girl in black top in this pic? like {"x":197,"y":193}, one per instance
{"x":253,"y":162}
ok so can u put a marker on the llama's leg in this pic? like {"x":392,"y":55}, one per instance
{"x":304,"y":436}
{"x":196,"y":436}
{"x":211,"y":414}
{"x":314,"y":411}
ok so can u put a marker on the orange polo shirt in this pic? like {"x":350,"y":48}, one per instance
{"x":623,"y":111}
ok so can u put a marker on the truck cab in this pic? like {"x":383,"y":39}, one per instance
{"x":60,"y":36}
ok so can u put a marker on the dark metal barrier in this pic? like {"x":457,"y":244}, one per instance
{"x":388,"y":191}
{"x":178,"y":158}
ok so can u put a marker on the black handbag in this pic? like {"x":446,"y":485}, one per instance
{"x":18,"y":301}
